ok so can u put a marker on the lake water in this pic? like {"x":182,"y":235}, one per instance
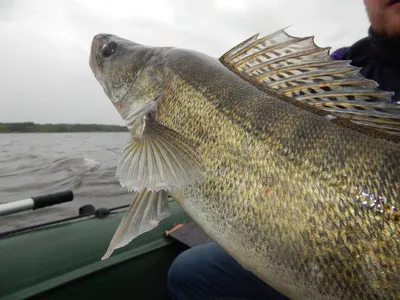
{"x":35,"y":164}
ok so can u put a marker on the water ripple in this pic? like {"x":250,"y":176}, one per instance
{"x":37,"y":164}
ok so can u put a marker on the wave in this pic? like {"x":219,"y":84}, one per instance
{"x":39,"y":164}
{"x":48,"y":174}
{"x":35,"y":165}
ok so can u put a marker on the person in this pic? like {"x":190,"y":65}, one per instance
{"x":378,"y":53}
{"x":207,"y":271}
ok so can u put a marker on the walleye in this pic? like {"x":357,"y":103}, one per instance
{"x":288,"y":159}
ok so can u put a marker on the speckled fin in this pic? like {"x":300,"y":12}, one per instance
{"x":158,"y":159}
{"x":304,"y":72}
{"x":145,"y":213}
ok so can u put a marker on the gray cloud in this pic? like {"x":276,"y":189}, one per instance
{"x":45,"y":76}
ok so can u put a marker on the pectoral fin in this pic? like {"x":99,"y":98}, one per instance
{"x":156,"y":160}
{"x":144,"y":214}
{"x":159,"y":159}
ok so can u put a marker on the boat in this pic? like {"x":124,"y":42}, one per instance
{"x":62,"y":259}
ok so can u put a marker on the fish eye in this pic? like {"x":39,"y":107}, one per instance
{"x":109,"y":48}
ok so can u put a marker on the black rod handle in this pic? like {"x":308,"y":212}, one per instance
{"x":52,"y":199}
{"x":35,"y":202}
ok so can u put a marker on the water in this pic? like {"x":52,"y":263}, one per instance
{"x":35,"y":164}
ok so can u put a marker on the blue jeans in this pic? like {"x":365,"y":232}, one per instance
{"x":207,"y":272}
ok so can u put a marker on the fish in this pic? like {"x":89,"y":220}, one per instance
{"x":287,"y":159}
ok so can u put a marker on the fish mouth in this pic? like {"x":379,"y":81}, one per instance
{"x":96,"y":63}
{"x":95,"y":57}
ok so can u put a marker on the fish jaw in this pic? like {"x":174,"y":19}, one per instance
{"x":95,"y":60}
{"x":128,"y":75}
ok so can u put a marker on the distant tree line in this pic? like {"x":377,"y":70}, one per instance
{"x":32,"y":127}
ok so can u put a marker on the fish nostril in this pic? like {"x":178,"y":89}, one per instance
{"x":101,"y":38}
{"x":100,"y":35}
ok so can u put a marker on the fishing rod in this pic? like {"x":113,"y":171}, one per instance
{"x":49,"y":200}
{"x":34,"y":203}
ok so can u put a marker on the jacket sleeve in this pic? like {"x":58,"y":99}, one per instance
{"x":338,"y":53}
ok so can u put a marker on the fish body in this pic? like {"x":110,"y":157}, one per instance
{"x":306,"y":201}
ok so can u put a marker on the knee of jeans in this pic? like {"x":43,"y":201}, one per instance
{"x":189,"y":269}
{"x":180,"y":269}
{"x":179,"y":276}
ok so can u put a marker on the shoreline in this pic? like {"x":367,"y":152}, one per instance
{"x":31,"y":127}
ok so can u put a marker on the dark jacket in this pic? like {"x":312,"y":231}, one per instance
{"x":379,"y":58}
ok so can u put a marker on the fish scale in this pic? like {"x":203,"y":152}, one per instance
{"x":306,"y":202}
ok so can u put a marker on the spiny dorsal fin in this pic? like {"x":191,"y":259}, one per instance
{"x":298,"y":68}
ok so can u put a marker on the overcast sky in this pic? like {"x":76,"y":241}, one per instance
{"x":44,"y":44}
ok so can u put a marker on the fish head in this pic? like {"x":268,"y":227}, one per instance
{"x":130,"y":74}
